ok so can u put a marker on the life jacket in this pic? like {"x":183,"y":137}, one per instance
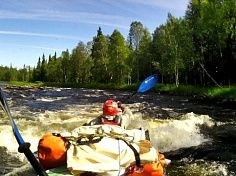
{"x":115,"y":121}
{"x":52,"y":150}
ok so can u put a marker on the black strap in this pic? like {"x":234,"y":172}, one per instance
{"x":91,"y":139}
{"x":67,"y":142}
{"x":136,"y":154}
{"x":118,"y":120}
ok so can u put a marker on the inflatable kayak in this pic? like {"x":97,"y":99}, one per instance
{"x":101,"y":150}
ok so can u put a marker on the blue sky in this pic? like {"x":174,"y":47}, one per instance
{"x":30,"y":28}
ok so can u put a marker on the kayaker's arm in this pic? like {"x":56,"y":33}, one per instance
{"x":126,"y":117}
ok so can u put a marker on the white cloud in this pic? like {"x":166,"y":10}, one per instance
{"x":41,"y":47}
{"x":168,"y":4}
{"x":66,"y":16}
{"x":36,"y":34}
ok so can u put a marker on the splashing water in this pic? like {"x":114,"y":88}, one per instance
{"x":174,"y":134}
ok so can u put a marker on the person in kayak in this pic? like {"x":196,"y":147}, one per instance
{"x":114,"y":113}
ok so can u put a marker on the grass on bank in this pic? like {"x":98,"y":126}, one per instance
{"x":183,"y":90}
{"x":189,"y":90}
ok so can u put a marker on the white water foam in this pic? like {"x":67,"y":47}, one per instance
{"x":166,"y":135}
{"x":169,"y":135}
{"x":8,"y":140}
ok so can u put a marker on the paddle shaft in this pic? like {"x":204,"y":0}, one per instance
{"x":24,"y":147}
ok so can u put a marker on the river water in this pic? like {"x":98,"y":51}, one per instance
{"x":200,"y":139}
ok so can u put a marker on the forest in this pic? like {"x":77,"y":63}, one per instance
{"x":198,"y":49}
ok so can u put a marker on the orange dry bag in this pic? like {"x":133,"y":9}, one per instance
{"x":52,"y":151}
{"x":152,"y":169}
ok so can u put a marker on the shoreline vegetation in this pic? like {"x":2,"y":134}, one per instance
{"x":225,"y":96}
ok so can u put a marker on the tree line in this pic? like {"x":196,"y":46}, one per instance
{"x":197,"y":49}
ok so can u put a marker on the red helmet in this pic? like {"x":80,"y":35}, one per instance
{"x":110,"y":108}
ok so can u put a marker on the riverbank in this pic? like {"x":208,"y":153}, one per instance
{"x":154,"y":104}
{"x":224,"y":96}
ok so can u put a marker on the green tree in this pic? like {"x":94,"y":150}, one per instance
{"x":172,"y":49}
{"x":136,"y":32}
{"x":118,"y":54}
{"x":81,"y":64}
{"x":54,"y":69}
{"x":43,"y":69}
{"x":22,"y":74}
{"x":211,"y":34}
{"x":65,"y":65}
{"x":193,"y":16}
{"x":213,"y":43}
{"x":8,"y":74}
{"x":229,"y":51}
{"x":159,"y":50}
{"x":36,"y":71}
{"x":100,"y":58}
{"x":144,"y":55}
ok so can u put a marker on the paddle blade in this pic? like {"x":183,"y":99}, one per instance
{"x":148,"y":83}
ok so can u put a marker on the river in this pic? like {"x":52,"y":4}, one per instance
{"x":200,"y":139}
